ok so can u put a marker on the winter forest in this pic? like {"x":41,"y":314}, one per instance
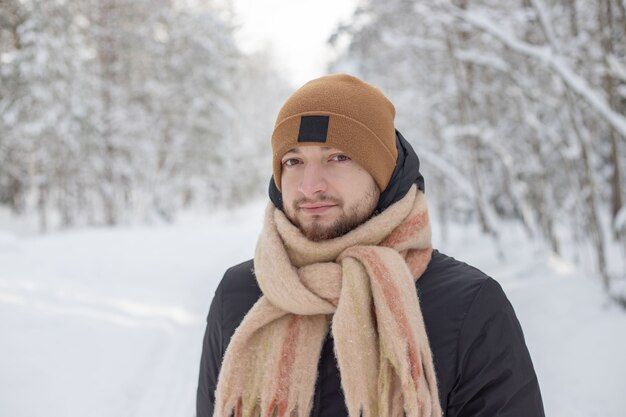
{"x":118,"y":114}
{"x":114,"y":109}
{"x":518,"y":110}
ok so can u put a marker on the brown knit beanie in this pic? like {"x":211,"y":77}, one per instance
{"x":343,"y":112}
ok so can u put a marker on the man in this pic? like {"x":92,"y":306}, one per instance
{"x":346,"y":309}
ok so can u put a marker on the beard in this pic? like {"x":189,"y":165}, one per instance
{"x":351,"y":217}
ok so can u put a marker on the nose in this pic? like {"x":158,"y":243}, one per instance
{"x":313,"y":180}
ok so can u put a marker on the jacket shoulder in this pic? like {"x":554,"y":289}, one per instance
{"x":455,"y":271}
{"x":463,"y":286}
{"x":446,"y":291}
{"x":478,"y":345}
{"x":450,"y":285}
{"x":234,"y":296}
{"x":239,"y":277}
{"x":238,"y":291}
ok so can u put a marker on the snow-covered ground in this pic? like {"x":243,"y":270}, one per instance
{"x":109,"y":322}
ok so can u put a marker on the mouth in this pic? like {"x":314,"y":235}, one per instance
{"x":316,"y":208}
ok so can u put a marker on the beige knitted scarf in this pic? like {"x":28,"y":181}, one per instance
{"x":361,"y":286}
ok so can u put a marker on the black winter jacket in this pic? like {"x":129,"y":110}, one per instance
{"x":481,"y":361}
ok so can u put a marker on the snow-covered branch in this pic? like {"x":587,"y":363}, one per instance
{"x":482,"y":59}
{"x":449,"y":171}
{"x":618,"y":70}
{"x":549,"y":57}
{"x":546,"y":26}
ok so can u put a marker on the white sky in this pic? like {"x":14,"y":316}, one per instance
{"x":296,"y":31}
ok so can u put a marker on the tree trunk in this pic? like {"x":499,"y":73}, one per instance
{"x":610,"y":84}
{"x":107,"y":59}
{"x":593,"y":226}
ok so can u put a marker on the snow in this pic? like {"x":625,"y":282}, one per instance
{"x":109,"y":322}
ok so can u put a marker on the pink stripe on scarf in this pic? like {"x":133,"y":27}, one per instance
{"x":406,"y":230}
{"x":238,"y":408}
{"x":392,"y":295}
{"x":288,"y":354}
{"x":417,"y":260}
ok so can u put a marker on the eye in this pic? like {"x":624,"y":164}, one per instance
{"x":290,"y":162}
{"x":340,"y":157}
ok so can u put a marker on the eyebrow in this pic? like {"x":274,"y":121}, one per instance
{"x":297,"y":151}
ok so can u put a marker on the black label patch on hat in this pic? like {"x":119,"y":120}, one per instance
{"x":313,"y":129}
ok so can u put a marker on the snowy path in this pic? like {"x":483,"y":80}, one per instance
{"x":109,"y":322}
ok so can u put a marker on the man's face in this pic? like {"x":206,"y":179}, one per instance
{"x":325,"y":193}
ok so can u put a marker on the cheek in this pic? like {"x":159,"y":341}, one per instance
{"x":355,"y":179}
{"x":360,"y":186}
{"x":288,"y":188}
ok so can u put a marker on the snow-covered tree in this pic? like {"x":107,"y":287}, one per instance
{"x":116,"y":109}
{"x":516,"y":107}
